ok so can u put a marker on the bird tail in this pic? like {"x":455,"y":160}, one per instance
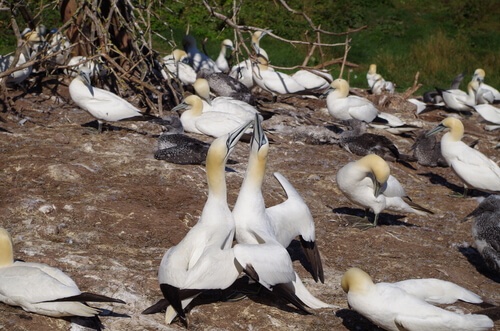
{"x":305,"y":296}
{"x":418,"y":209}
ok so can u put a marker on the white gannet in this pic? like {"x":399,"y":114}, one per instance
{"x":369,"y":184}
{"x":197,"y":59}
{"x":221,"y":61}
{"x":273,"y":81}
{"x":254,"y":223}
{"x":488,"y":112}
{"x":486,"y":231}
{"x":381,"y":85}
{"x":370,"y":75}
{"x":228,"y":105}
{"x":174,"y":65}
{"x":19,"y":76}
{"x":313,"y":79}
{"x":102,"y":104}
{"x":79,"y":62}
{"x":342,"y":106}
{"x":459,"y":100}
{"x":256,"y":37}
{"x":485,"y":91}
{"x":58,"y":43}
{"x":204,"y":259}
{"x":472,"y":166}
{"x":211,"y":123}
{"x":243,"y":73}
{"x":434,"y":97}
{"x":393,"y":308}
{"x":176,"y":147}
{"x":40,"y":288}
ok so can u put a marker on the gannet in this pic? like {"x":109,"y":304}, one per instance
{"x":254,"y":224}
{"x":174,"y":65}
{"x":313,"y":79}
{"x":204,"y":258}
{"x":393,"y":308}
{"x":273,"y":81}
{"x":223,"y":85}
{"x":488,"y":112}
{"x":459,"y":100}
{"x":175,"y":147}
{"x":228,"y":105}
{"x":42,"y":289}
{"x":256,"y":37}
{"x":342,"y":106}
{"x":197,"y":59}
{"x":95,"y":68}
{"x":486,"y":231}
{"x":434,"y":97}
{"x":102,"y":104}
{"x":58,"y":43}
{"x":381,"y":85}
{"x":485,"y":91}
{"x":391,"y":123}
{"x":370,"y":75}
{"x":221,"y":61}
{"x":472,"y":166}
{"x":19,"y":76}
{"x":427,"y":151}
{"x":212,"y":123}
{"x":357,"y":141}
{"x":368,"y":183}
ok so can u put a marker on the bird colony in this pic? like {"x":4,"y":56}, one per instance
{"x":263,"y":200}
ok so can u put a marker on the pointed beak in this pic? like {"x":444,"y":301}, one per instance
{"x":328,"y":90}
{"x":437,"y":129}
{"x":86,"y":80}
{"x":259,"y":137}
{"x":235,"y":136}
{"x":180,"y":106}
{"x":377,"y":188}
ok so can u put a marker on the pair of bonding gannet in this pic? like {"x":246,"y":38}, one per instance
{"x":205,"y":258}
{"x":42,"y":289}
{"x":369,"y":184}
{"x":212,"y":123}
{"x":258,"y":225}
{"x":473,"y":167}
{"x":486,"y":231}
{"x":458,"y":100}
{"x":102,"y":104}
{"x":197,"y":59}
{"x":406,"y":305}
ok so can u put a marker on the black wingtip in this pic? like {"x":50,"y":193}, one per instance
{"x":161,"y":305}
{"x":282,"y":291}
{"x":88,"y":297}
{"x":311,"y":252}
{"x":172,"y":294}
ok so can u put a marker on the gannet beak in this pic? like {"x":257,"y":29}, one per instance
{"x":437,"y":129}
{"x":86,"y":80}
{"x":377,"y":188}
{"x":328,"y":90}
{"x":180,"y":106}
{"x":258,"y":133}
{"x":234,"y":136}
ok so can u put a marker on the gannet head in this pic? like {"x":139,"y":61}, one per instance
{"x":341,"y":85}
{"x":479,"y":75}
{"x":6,"y":254}
{"x":178,"y":55}
{"x":373,"y":69}
{"x":356,"y":280}
{"x":454,"y":124}
{"x":202,"y":88}
{"x":191,"y":103}
{"x":227,"y":43}
{"x":259,"y":141}
{"x":85,"y":78}
{"x":378,"y":168}
{"x":223,"y":146}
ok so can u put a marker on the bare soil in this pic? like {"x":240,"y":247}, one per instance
{"x":101,"y":208}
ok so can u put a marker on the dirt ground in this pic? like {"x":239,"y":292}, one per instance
{"x":101,"y":208}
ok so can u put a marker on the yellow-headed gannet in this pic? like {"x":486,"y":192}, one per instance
{"x":256,"y":37}
{"x":102,"y":104}
{"x":42,"y":289}
{"x":459,"y":100}
{"x":397,"y":307}
{"x":204,"y":258}
{"x":485,"y":91}
{"x":472,"y":166}
{"x":486,"y":231}
{"x":381,"y":85}
{"x":369,"y":184}
{"x":370,"y":75}
{"x":221,"y":61}
{"x":174,"y":65}
{"x":254,"y":225}
{"x":197,"y":59}
{"x":211,"y":123}
{"x":343,"y":106}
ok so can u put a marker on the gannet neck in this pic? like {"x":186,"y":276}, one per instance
{"x":6,"y":251}
{"x":356,"y":280}
{"x":257,"y":160}
{"x":215,"y":167}
{"x":373,"y":69}
{"x":472,"y":88}
{"x":340,"y":88}
{"x":377,"y":166}
{"x":456,"y":128}
{"x":202,"y":89}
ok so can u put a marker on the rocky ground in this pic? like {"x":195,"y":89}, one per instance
{"x":101,"y":208}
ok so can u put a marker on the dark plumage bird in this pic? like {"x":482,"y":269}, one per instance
{"x":176,"y":147}
{"x":486,"y":231}
{"x":224,"y":85}
{"x":357,"y":141}
{"x":427,"y":151}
